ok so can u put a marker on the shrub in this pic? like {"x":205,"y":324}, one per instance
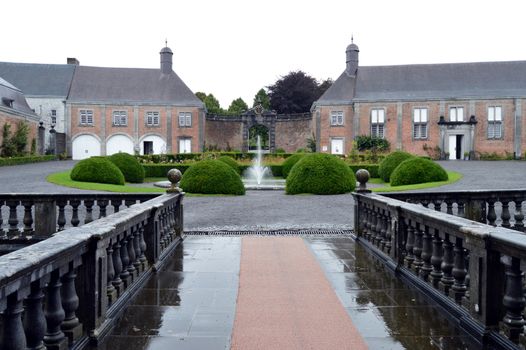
{"x":366,"y":142}
{"x":25,"y":160}
{"x":390,"y":163}
{"x":212,"y":177}
{"x":371,"y":168}
{"x":230,"y":162}
{"x":160,"y":170}
{"x":417,"y":170}
{"x":129,"y":165}
{"x":289,"y":163}
{"x":320,"y":173}
{"x":97,"y":169}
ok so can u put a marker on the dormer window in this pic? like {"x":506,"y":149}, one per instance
{"x":8,"y":102}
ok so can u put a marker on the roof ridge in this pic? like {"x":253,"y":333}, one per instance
{"x":442,"y":64}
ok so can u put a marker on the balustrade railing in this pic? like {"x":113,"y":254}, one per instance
{"x":473,"y":270}
{"x":64,"y":291}
{"x":506,"y":208}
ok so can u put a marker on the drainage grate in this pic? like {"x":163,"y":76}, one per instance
{"x":307,"y":232}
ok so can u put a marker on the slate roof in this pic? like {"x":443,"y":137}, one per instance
{"x":429,"y":81}
{"x":49,"y":80}
{"x":10,"y":93}
{"x":129,"y":85}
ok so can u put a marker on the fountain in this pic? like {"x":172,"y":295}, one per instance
{"x":259,"y":177}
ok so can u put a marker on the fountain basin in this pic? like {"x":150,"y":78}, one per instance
{"x":266,"y":184}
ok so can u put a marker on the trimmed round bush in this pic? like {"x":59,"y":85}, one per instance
{"x":390,"y":163}
{"x":231,"y":162}
{"x":97,"y":169}
{"x":320,"y":173}
{"x":130,"y":167}
{"x":290,"y":162}
{"x":417,"y":170}
{"x":212,"y":177}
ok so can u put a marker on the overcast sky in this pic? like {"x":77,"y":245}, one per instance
{"x":233,"y":48}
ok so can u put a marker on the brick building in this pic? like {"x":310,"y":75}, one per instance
{"x":132,"y":110}
{"x":464,"y":109}
{"x":14,"y":109}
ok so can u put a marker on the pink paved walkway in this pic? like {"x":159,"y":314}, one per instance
{"x":285,"y":301}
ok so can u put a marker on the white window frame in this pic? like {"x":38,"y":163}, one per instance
{"x":120,"y":118}
{"x":185,"y":145}
{"x":454,"y":114}
{"x":420,"y":123}
{"x":336,"y":118}
{"x":152,"y":118}
{"x":378,"y":122}
{"x":86,"y":117}
{"x":494,"y":122}
{"x":185,"y":119}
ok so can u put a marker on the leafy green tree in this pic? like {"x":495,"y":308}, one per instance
{"x":201,"y":95}
{"x":19,"y":138}
{"x":327,"y":83}
{"x":262,"y":97}
{"x":293,"y":93}
{"x":8,"y":148}
{"x":237,"y":107}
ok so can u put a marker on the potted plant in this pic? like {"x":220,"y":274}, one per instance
{"x":466,"y":155}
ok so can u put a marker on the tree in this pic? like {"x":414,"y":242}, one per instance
{"x":237,"y":107}
{"x":19,"y":138}
{"x":262,"y":97}
{"x":8,"y":148}
{"x":324,"y":86}
{"x":201,"y":95}
{"x":293,"y":93}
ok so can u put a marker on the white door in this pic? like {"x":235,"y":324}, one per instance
{"x":119,"y":143}
{"x":337,"y":146}
{"x":85,"y":146}
{"x":185,"y":146}
{"x":452,"y":146}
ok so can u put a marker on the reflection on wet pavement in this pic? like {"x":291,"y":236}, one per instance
{"x":388,"y":314}
{"x":189,"y":304}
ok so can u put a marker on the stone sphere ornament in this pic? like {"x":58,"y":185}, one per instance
{"x":362,"y":176}
{"x":174,"y":175}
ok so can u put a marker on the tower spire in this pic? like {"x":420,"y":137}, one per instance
{"x":352,"y":38}
{"x":166,"y":42}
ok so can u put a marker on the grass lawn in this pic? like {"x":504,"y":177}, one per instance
{"x":452,"y":177}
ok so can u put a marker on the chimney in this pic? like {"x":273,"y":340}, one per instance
{"x":73,"y":60}
{"x":166,"y":60}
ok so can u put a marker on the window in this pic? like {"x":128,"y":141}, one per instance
{"x":120,"y":118}
{"x":53,"y":116}
{"x":152,"y":118}
{"x":377,"y":123}
{"x":336,"y":118}
{"x":494,"y":122}
{"x":86,"y":117}
{"x":420,"y":123}
{"x":185,"y":145}
{"x":456,"y":114}
{"x":185,"y":119}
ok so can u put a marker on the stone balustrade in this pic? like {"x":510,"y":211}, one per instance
{"x":66,"y":290}
{"x":473,"y":271}
{"x":504,"y":208}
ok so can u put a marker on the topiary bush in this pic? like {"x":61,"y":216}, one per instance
{"x":212,"y":177}
{"x":417,"y":170}
{"x":97,"y":169}
{"x":289,"y":163}
{"x":390,"y":163}
{"x":129,"y":165}
{"x":231,"y":162}
{"x":320,"y":173}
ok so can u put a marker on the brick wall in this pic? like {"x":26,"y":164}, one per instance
{"x":506,"y":143}
{"x":327,"y":132}
{"x":224,"y":134}
{"x":179,"y":132}
{"x":292,"y":134}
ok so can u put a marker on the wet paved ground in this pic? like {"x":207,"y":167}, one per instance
{"x":191,"y":303}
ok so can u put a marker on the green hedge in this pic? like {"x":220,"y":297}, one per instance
{"x":417,"y":170}
{"x":98,"y":170}
{"x":181,"y":157}
{"x":26,"y":160}
{"x":160,"y":170}
{"x":391,"y":162}
{"x":371,"y":168}
{"x":212,"y":177}
{"x":289,"y":163}
{"x":129,"y":165}
{"x":231,"y":162}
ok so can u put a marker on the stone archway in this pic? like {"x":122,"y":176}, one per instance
{"x":263,"y":132}
{"x":259,"y":121}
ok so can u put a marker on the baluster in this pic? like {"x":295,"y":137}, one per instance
{"x":13,"y":333}
{"x":518,"y":216}
{"x":75,"y":212}
{"x":362,"y":210}
{"x":447,"y":279}
{"x":449,"y":207}
{"x":367,"y":223}
{"x":54,"y":338}
{"x":61,"y":221}
{"x":28,"y":217}
{"x":409,"y":246}
{"x":117,"y":265}
{"x":142,"y":245}
{"x":383,"y":229}
{"x":388,"y":234}
{"x":88,"y":203}
{"x":436,"y":260}
{"x":129,"y":202}
{"x":131,"y":255}
{"x":173,"y":220}
{"x":2,"y":232}
{"x":111,"y":292}
{"x":426,"y":254}
{"x":461,"y":208}
{"x":459,"y":272}
{"x":492,"y":216}
{"x":137,"y":248}
{"x":34,"y":319}
{"x":13,"y":218}
{"x":116,"y":203}
{"x":125,"y":275}
{"x":102,"y":203}
{"x":378,"y":229}
{"x":437,"y":205}
{"x":417,"y":250}
{"x":70,"y":302}
{"x":513,"y":301}
{"x":161,"y":230}
{"x":505,"y":215}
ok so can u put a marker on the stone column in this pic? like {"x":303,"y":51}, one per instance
{"x":169,"y":133}
{"x":41,"y":139}
{"x":517,"y":137}
{"x":318,"y":130}
{"x":137,"y":147}
{"x":103,"y":130}
{"x":53,"y":140}
{"x":399,"y":110}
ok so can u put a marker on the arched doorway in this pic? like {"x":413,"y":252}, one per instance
{"x":119,"y":143}
{"x":152,"y":144}
{"x":253,"y":133}
{"x":85,"y":146}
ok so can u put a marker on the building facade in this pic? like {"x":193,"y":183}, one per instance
{"x":459,"y":110}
